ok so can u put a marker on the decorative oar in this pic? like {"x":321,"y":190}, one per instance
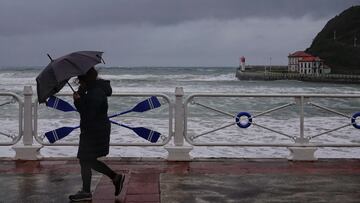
{"x":62,"y":132}
{"x":59,"y":104}
{"x":148,"y":104}
{"x":145,"y":133}
{"x":59,"y":133}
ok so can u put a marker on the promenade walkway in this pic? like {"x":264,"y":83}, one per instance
{"x":207,"y":180}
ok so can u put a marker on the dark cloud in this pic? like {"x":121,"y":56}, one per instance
{"x":162,"y":32}
{"x":34,"y":16}
{"x":199,"y":43}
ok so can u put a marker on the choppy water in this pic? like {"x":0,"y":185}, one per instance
{"x":199,"y":80}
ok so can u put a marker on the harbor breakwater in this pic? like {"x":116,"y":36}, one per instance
{"x":278,"y":73}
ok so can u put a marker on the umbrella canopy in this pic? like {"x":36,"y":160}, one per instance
{"x":55,"y":75}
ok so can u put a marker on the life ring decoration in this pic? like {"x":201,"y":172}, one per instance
{"x":242,"y":124}
{"x":353,"y":120}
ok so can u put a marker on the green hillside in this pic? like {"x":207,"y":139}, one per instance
{"x":340,"y":53}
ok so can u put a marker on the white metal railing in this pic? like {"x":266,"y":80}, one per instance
{"x":164,"y":138}
{"x":300,"y":100}
{"x":15,"y":137}
{"x":178,"y":150}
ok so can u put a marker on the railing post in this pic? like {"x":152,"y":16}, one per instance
{"x":179,"y":152}
{"x":27,"y":136}
{"x":26,"y":150}
{"x":179,"y":117}
{"x":302,"y":153}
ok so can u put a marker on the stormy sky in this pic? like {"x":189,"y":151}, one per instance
{"x":162,"y":32}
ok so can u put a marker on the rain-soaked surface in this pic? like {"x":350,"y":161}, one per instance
{"x":205,"y":180}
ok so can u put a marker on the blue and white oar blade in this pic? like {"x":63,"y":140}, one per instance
{"x":151,"y":103}
{"x":147,"y":134}
{"x":59,"y":104}
{"x":51,"y":136}
{"x":58,"y":134}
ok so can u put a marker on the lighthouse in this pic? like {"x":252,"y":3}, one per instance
{"x":242,"y":63}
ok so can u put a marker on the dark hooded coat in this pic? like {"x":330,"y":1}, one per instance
{"x":94,"y":123}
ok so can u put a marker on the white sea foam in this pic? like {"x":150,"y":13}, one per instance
{"x":129,"y":77}
{"x":182,"y":77}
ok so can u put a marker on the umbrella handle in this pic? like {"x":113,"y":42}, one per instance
{"x":71,"y":87}
{"x":50,"y":57}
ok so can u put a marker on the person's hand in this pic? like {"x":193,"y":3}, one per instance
{"x":76,"y":96}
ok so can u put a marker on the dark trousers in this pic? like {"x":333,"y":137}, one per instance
{"x":87,"y":165}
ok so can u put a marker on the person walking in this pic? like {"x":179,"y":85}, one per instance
{"x":91,"y":102}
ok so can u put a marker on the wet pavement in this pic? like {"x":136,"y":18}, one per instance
{"x":259,"y":188}
{"x":207,"y":180}
{"x":40,"y":187}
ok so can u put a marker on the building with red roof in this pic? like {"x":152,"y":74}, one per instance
{"x":304,"y":63}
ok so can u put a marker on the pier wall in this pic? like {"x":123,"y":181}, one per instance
{"x":262,"y":68}
{"x":256,"y":74}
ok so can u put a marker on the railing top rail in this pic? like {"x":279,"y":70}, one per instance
{"x":166,"y":97}
{"x":272,"y":95}
{"x":125,"y":94}
{"x":18,"y":98}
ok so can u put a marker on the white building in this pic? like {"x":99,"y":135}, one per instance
{"x":304,"y":63}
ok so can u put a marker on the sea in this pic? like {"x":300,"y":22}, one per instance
{"x":209,"y":119}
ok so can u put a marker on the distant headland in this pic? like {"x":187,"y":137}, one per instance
{"x":334,"y":55}
{"x":338,"y":42}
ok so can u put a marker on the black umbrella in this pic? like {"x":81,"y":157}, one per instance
{"x":55,"y":75}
